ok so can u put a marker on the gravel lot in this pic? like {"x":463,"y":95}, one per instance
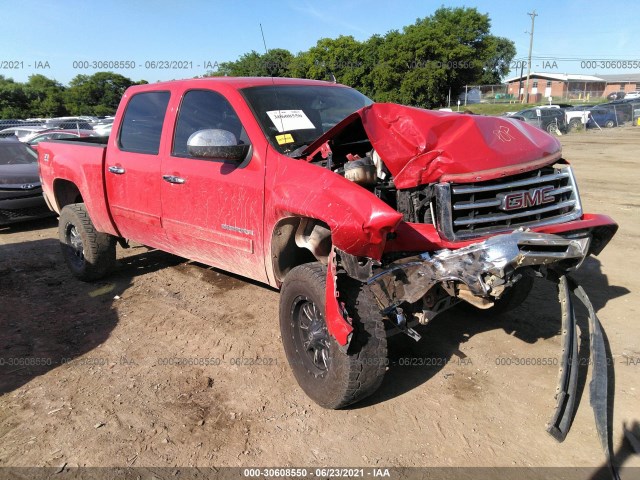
{"x":108,"y":389}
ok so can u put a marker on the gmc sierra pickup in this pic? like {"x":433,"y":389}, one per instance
{"x":370,"y":218}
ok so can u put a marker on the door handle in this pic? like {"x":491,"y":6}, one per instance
{"x":173,"y":179}
{"x":117,"y":170}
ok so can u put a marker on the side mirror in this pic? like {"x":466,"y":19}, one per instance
{"x":216,"y":144}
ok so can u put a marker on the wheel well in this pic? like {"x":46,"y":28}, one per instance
{"x":66,"y":193}
{"x":298,"y":240}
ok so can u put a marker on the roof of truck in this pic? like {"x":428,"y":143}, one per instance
{"x":237,"y":82}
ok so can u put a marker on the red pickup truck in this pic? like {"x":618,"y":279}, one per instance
{"x":371,"y":218}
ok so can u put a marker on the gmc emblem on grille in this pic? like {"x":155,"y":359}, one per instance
{"x":526,"y":198}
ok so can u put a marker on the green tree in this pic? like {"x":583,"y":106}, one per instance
{"x":274,"y":63}
{"x":45,"y":97}
{"x":443,"y":52}
{"x":97,"y":94}
{"x":343,"y":57}
{"x":14,"y":102}
{"x":499,"y":56}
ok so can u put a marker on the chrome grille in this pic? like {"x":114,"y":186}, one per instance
{"x":540,"y":197}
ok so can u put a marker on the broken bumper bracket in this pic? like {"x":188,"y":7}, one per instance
{"x":485,"y":268}
{"x":568,"y":378}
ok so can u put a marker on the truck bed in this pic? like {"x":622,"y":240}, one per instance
{"x":75,"y":167}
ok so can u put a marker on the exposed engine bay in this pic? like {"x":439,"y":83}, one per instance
{"x":413,"y":288}
{"x":352,"y":156}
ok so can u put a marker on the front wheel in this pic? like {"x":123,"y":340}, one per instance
{"x":329,"y":376}
{"x":88,"y":253}
{"x":609,"y":124}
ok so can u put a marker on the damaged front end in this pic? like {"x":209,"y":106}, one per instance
{"x":487,"y":204}
{"x":479,"y":273}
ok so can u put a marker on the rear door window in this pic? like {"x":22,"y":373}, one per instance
{"x":142,"y":123}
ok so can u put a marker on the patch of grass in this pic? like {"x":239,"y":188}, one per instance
{"x":495,"y":108}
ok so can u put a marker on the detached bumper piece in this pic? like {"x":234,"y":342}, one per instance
{"x":567,"y":386}
{"x":481,"y":273}
{"x":482,"y":270}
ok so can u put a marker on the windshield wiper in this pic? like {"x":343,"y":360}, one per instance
{"x":297,"y":153}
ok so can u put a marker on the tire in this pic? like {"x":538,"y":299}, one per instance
{"x":552,"y":128}
{"x":575,"y":125}
{"x":330,"y":377}
{"x":89,"y":254}
{"x":609,"y":124}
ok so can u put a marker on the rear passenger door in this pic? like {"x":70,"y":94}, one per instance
{"x":212,"y":209}
{"x":132,"y":169}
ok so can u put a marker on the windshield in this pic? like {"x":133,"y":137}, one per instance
{"x":13,"y":153}
{"x":293,"y":116}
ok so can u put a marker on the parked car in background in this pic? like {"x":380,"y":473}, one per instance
{"x":602,"y":117}
{"x":38,"y":137}
{"x":545,"y":118}
{"x":576,"y":117}
{"x":632,"y":95}
{"x":9,"y":123}
{"x":623,"y":109}
{"x":20,"y":190}
{"x":103,"y":130}
{"x":103,"y":127}
{"x":68,"y":123}
{"x":616,"y":96}
{"x":583,"y":107}
{"x":20,"y":132}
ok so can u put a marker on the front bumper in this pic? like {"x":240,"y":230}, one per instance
{"x":21,"y":206}
{"x":483,"y":270}
{"x":421,"y":237}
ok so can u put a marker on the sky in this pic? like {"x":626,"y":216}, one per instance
{"x":63,"y":38}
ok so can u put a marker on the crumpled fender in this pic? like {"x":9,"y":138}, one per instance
{"x":422,"y":146}
{"x":359,"y":221}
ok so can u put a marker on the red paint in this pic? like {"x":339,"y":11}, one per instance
{"x":225,"y":214}
{"x":338,"y":321}
{"x":422,"y":146}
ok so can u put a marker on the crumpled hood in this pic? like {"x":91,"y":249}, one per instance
{"x":422,"y":146}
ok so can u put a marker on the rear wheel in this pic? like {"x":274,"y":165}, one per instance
{"x":609,"y":124}
{"x":575,"y":124}
{"x":88,"y":253}
{"x":329,"y":376}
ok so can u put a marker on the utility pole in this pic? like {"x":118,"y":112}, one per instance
{"x":533,"y":16}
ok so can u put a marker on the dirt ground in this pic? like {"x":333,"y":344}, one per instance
{"x":107,"y":390}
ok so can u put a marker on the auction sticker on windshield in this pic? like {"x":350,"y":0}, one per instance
{"x":288,"y":120}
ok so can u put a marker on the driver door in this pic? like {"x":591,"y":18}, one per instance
{"x":212,"y":210}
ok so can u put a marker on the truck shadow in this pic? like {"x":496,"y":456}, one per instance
{"x":412,"y":364}
{"x":47,"y":317}
{"x":29,"y":226}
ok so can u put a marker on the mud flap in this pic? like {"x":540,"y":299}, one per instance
{"x":567,"y":385}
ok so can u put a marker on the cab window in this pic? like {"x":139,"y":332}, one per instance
{"x":142,"y":123}
{"x":203,"y":110}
